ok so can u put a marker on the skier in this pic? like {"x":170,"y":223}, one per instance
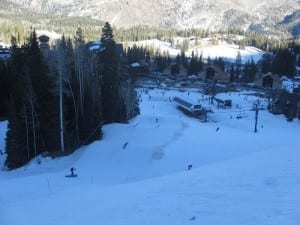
{"x":125,"y":144}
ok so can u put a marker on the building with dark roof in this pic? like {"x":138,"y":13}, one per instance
{"x":44,"y":43}
{"x":4,"y":54}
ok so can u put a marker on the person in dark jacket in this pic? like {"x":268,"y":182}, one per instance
{"x":72,"y":171}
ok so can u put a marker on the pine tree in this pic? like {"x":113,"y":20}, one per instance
{"x":4,"y":88}
{"x":246,"y":72}
{"x":232,"y":74}
{"x":16,"y":145}
{"x":33,"y":126}
{"x":119,"y":102}
{"x":45,"y":105}
{"x":284,"y":63}
{"x":21,"y":137}
{"x":193,"y":70}
{"x":252,"y":70}
{"x":238,"y":66}
{"x":79,"y":37}
{"x":110,"y":76}
{"x":266,"y":63}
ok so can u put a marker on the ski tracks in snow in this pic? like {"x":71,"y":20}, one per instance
{"x":159,"y":151}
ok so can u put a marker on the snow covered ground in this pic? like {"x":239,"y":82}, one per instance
{"x":238,"y":176}
{"x":226,"y":51}
{"x":229,"y":52}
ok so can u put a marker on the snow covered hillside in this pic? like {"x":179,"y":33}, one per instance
{"x":226,"y":51}
{"x":138,"y":174}
{"x":229,"y":52}
{"x":210,"y":15}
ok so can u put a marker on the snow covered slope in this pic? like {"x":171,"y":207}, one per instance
{"x":226,"y":51}
{"x":238,"y":176}
{"x":229,"y":52}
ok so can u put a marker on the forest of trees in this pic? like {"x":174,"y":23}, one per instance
{"x":57,"y":100}
{"x":92,"y":28}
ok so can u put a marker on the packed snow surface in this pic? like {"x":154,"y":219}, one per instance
{"x":138,"y":173}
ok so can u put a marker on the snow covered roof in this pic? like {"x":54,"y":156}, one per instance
{"x":289,"y":85}
{"x":94,"y":46}
{"x":135,"y":64}
{"x":182,"y":102}
{"x":51,"y":34}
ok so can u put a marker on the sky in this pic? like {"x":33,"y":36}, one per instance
{"x":237,"y":176}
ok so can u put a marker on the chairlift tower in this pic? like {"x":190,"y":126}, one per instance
{"x":256,"y":108}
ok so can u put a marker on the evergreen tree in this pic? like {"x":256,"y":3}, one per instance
{"x":79,"y":37}
{"x":284,"y":63}
{"x":17,"y":154}
{"x":249,"y":71}
{"x":246,"y":72}
{"x":175,"y":69}
{"x":15,"y":139}
{"x":22,"y":138}
{"x":4,"y":88}
{"x":238,"y":66}
{"x":192,"y":69}
{"x":252,"y":70}
{"x":45,"y":103}
{"x":110,"y":75}
{"x":32,"y":126}
{"x":266,"y":63}
{"x":118,"y":105}
{"x":232,"y":74}
{"x":220,"y":63}
{"x":162,"y":62}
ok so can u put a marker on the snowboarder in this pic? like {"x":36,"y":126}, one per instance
{"x":190,"y":167}
{"x":218,"y":128}
{"x":72,"y":171}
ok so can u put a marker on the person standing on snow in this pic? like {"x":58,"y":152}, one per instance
{"x":72,"y":171}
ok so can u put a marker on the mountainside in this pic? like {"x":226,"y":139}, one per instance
{"x":207,"y":14}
